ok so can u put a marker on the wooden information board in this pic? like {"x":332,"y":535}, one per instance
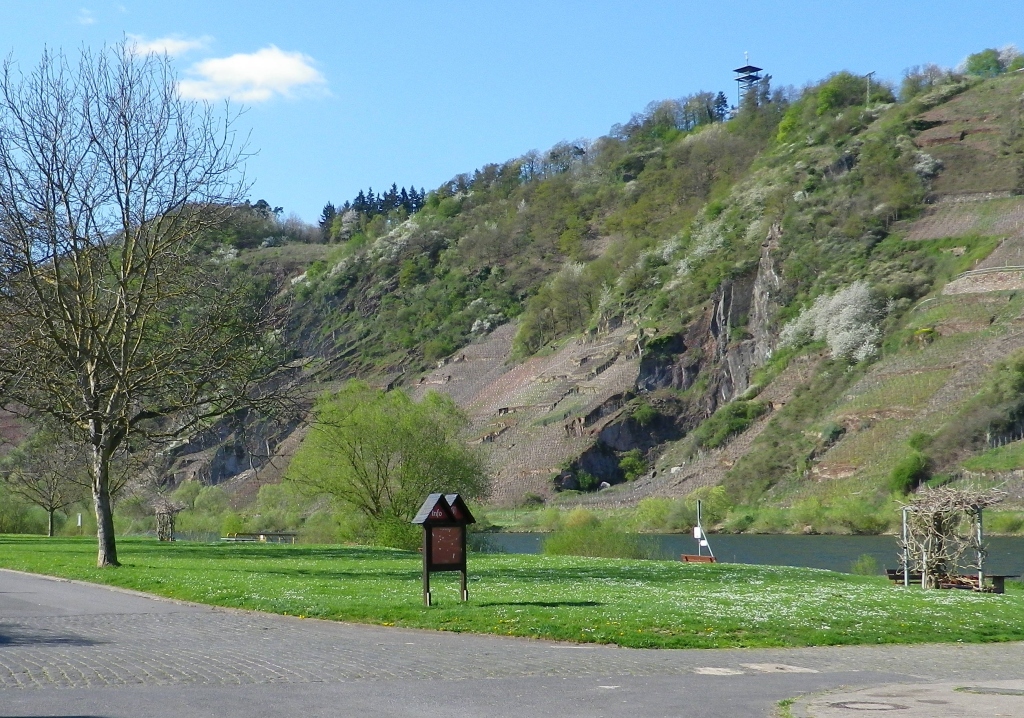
{"x":444,"y":520}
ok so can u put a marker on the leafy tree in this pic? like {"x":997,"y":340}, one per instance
{"x":986,"y":63}
{"x":381,"y":453}
{"x":112,"y":324}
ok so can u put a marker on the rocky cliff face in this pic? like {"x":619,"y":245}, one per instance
{"x":734,"y":336}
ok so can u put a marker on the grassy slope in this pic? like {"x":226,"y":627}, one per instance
{"x":630,"y":603}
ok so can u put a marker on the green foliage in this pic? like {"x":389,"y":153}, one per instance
{"x":1004,"y":522}
{"x":586,"y":481}
{"x":633,"y":464}
{"x":397,"y":533}
{"x":919,"y":441}
{"x":381,"y":453}
{"x":715,"y":507}
{"x":842,"y":90}
{"x":908,"y":472}
{"x":581,"y":518}
{"x":730,"y":419}
{"x":186,"y":493}
{"x":984,"y":64}
{"x":814,"y":514}
{"x":17,"y":516}
{"x":596,"y":539}
{"x":644,"y":414}
{"x":865,"y":565}
{"x":652,"y":514}
{"x":211,"y":500}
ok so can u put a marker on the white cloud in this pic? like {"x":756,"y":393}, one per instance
{"x":253,"y":77}
{"x":172,"y":45}
{"x":85,"y":17}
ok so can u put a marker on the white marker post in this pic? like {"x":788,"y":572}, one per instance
{"x":698,"y":533}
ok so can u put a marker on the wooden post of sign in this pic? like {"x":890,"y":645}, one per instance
{"x":426,"y":564}
{"x":465,"y":589}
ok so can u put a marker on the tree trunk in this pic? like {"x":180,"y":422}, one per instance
{"x":107,"y":555}
{"x":49,"y":523}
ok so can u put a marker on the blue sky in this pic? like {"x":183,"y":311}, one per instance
{"x":344,"y":95}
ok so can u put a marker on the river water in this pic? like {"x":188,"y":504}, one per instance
{"x":837,"y":553}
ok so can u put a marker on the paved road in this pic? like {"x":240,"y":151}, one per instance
{"x":72,"y":649}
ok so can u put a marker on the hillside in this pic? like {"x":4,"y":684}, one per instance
{"x":787,"y":303}
{"x":616,"y":302}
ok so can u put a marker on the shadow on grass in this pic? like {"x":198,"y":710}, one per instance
{"x":229,"y":551}
{"x":545,"y":604}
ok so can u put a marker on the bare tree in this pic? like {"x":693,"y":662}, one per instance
{"x":112,"y":322}
{"x":46,"y":471}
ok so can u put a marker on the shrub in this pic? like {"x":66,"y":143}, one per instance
{"x":531,"y":500}
{"x":597,"y":541}
{"x":211,"y":500}
{"x":580,"y":518}
{"x":395,"y":532}
{"x":644,"y":413}
{"x":232,"y":523}
{"x":633,"y":464}
{"x":550,"y":519}
{"x":586,"y":481}
{"x":865,"y":565}
{"x":1004,"y":522}
{"x":908,"y":473}
{"x":919,"y":441}
{"x":652,"y":514}
{"x":860,"y":517}
{"x":733,"y":418}
{"x":321,"y":527}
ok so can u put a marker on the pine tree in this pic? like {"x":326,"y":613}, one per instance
{"x":326,"y":219}
{"x":721,"y":107}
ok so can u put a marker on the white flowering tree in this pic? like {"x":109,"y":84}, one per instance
{"x":847,"y":321}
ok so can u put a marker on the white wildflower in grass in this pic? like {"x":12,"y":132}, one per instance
{"x":846,"y":321}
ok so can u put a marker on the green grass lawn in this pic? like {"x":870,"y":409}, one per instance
{"x":631,"y":603}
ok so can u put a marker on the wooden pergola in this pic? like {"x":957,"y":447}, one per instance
{"x":943,"y":536}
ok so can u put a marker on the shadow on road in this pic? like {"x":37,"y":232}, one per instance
{"x":18,"y":636}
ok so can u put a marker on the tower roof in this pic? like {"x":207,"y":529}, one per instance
{"x":747,"y":69}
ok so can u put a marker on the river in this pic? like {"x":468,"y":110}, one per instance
{"x":837,"y":553}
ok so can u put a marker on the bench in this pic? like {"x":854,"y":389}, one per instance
{"x":263,"y":537}
{"x":693,"y":558}
{"x":966,"y":582}
{"x":896,"y":576}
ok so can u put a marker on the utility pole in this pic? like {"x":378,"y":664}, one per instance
{"x":867,"y":98}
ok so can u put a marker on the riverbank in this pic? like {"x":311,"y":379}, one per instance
{"x":834,"y":553}
{"x":634,"y":603}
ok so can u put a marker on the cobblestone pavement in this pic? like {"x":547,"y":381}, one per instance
{"x":66,"y":635}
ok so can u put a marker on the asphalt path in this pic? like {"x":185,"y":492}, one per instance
{"x":75,"y":649}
